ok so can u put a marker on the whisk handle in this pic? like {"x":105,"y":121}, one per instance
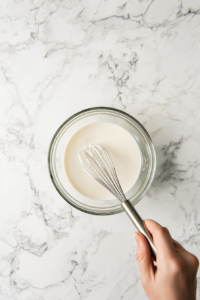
{"x":139,"y":224}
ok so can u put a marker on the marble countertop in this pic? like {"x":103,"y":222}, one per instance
{"x":57,"y":58}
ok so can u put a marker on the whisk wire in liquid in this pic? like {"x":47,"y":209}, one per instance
{"x":98,"y":164}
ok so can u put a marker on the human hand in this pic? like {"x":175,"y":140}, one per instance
{"x":174,"y":277}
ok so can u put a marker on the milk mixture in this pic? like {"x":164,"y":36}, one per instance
{"x":122,"y":148}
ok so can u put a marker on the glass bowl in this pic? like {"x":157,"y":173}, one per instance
{"x":83,"y":118}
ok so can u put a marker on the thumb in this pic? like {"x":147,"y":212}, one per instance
{"x":144,"y":258}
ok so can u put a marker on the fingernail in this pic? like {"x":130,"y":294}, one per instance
{"x":136,"y":237}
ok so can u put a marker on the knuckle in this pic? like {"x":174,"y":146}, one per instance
{"x":194,"y":261}
{"x":177,"y":267}
{"x":163,"y":230}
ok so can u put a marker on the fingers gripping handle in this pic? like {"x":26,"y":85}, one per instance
{"x":139,"y":224}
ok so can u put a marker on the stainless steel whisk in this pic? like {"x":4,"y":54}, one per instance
{"x":98,"y":164}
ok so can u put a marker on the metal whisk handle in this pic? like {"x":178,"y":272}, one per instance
{"x":139,"y":224}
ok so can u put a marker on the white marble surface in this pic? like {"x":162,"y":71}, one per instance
{"x":59,"y":57}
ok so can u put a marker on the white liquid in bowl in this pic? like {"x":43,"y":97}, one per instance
{"x":122,"y":148}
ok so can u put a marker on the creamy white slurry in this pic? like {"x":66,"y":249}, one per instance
{"x":122,"y":148}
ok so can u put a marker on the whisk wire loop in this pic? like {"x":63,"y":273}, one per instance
{"x":106,"y":162}
{"x":97,"y":162}
{"x":114,"y":174}
{"x":87,"y":164}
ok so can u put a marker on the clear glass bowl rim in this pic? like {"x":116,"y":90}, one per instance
{"x":109,"y":109}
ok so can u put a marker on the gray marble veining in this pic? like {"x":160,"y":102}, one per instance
{"x":57,"y":58}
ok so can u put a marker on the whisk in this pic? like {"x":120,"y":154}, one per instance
{"x":98,"y":164}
